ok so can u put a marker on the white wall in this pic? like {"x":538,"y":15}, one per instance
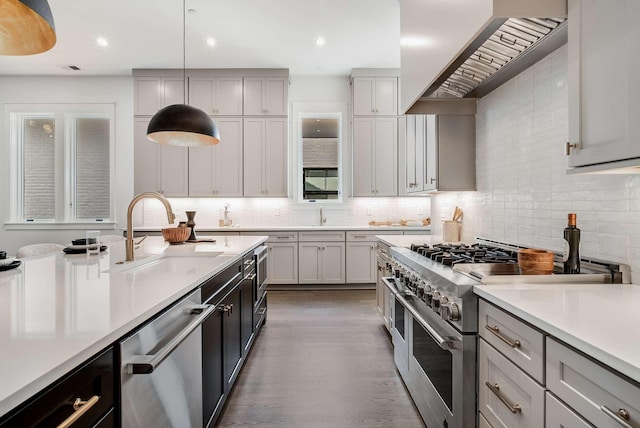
{"x":118,"y":90}
{"x":524,"y":193}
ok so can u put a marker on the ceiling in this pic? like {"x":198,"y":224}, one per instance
{"x":248,"y":34}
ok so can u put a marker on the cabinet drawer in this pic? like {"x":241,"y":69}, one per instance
{"x":516,"y":401}
{"x":362,"y":236}
{"x":522,"y":344}
{"x":591,"y":390}
{"x":274,"y":236}
{"x":92,"y":383}
{"x":482,"y":422}
{"x":282,"y":237}
{"x":558,"y":415}
{"x":323,"y":236}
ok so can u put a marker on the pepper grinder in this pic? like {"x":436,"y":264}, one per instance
{"x":192,"y":224}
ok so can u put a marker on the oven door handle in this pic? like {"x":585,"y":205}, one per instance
{"x":445,"y":343}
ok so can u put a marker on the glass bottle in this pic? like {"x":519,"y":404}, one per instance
{"x":571,"y":246}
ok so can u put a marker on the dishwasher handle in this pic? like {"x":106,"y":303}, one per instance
{"x":146,"y":364}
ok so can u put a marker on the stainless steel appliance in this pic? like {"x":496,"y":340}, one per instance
{"x":262,"y":273}
{"x":161,"y":368}
{"x":436,"y":315}
{"x":383,"y":264}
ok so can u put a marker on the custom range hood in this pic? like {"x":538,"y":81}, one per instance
{"x":477,"y":45}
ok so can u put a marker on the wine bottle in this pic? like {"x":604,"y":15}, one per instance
{"x":571,"y":245}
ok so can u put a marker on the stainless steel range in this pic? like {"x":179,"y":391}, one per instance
{"x":434,"y":317}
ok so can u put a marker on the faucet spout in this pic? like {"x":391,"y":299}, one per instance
{"x":170,"y":217}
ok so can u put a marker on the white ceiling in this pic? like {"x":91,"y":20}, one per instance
{"x":249,"y":34}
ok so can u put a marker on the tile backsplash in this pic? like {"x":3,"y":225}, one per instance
{"x":524,"y":193}
{"x":275,"y":212}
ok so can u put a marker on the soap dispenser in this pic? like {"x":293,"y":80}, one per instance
{"x":225,"y":216}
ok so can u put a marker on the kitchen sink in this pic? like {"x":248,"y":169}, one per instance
{"x":160,"y":261}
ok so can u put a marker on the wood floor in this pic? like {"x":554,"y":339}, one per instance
{"x":323,"y":359}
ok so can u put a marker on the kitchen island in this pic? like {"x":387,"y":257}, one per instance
{"x":57,"y":311}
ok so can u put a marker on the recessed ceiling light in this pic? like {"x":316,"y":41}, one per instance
{"x":101,"y":41}
{"x":211,"y":41}
{"x":320,"y":41}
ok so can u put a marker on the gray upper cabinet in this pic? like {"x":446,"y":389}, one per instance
{"x":373,"y":96}
{"x":437,"y":153}
{"x":451,"y":152}
{"x":265,"y":96}
{"x":154,"y":93}
{"x":604,"y":57}
{"x":218,"y":96}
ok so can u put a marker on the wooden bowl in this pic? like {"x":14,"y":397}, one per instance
{"x":535,"y":262}
{"x":176,"y":235}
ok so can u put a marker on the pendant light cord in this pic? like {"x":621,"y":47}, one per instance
{"x":184,"y":52}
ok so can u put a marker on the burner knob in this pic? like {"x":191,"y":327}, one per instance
{"x":442,"y":301}
{"x":435,"y":300}
{"x":450,"y":311}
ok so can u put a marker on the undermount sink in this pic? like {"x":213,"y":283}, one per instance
{"x":159,"y":261}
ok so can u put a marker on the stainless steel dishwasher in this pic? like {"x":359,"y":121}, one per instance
{"x":161,"y":368}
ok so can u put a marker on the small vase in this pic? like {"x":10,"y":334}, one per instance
{"x":192,"y":224}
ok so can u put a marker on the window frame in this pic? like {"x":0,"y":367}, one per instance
{"x":64,"y":116}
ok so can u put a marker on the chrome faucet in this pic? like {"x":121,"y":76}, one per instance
{"x":170,"y":216}
{"x":323,"y":219}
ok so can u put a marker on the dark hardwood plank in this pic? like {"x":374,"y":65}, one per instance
{"x":323,"y":359}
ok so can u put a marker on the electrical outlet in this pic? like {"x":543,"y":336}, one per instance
{"x":369,"y":211}
{"x":352,"y":211}
{"x":276,"y":211}
{"x":420,"y":210}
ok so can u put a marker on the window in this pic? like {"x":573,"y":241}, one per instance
{"x":320,"y":156}
{"x":61,"y":163}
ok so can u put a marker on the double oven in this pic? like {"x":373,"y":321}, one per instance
{"x":436,"y":361}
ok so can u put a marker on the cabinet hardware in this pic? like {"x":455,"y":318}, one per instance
{"x":433,"y":180}
{"x":495,"y":388}
{"x":621,"y":416}
{"x":568,"y":146}
{"x":251,"y":277}
{"x":360,"y":236}
{"x":282,"y":237}
{"x":496,"y":331}
{"x":80,"y":407}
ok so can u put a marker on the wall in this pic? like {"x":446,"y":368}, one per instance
{"x":524,"y":193}
{"x":118,"y":90}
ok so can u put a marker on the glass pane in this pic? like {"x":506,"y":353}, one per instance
{"x":38,"y":172}
{"x":92,"y":168}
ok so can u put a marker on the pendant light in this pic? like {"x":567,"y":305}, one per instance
{"x":26,"y":27}
{"x":182,"y":124}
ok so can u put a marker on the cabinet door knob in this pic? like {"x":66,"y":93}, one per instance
{"x":568,"y":146}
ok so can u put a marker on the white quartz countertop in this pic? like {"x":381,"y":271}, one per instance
{"x":57,"y":311}
{"x":598,"y":319}
{"x":407,"y":240}
{"x":205,"y":229}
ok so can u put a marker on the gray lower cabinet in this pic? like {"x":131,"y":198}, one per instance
{"x":559,"y":415}
{"x":600,"y":396}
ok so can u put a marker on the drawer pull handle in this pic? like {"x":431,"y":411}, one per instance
{"x":251,"y":277}
{"x":360,"y":236}
{"x":621,"y":416}
{"x":495,"y":388}
{"x":80,"y":407}
{"x":496,"y":331}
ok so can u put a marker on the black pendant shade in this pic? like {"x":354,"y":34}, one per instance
{"x":183,"y":125}
{"x":26,"y":27}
